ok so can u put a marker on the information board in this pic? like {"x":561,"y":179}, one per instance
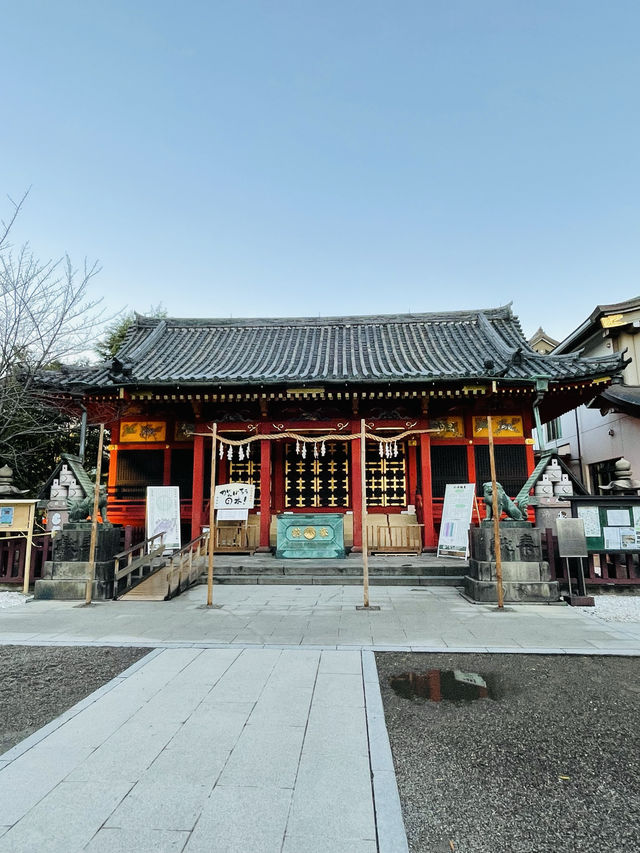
{"x":456,"y":518}
{"x":610,"y":528}
{"x":163,"y":515}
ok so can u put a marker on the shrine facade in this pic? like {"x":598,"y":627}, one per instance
{"x":290,"y":395}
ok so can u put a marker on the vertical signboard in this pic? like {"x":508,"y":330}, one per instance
{"x":163,"y":514}
{"x":456,"y":518}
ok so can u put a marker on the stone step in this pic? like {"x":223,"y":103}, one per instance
{"x":338,"y":569}
{"x":350,"y":580}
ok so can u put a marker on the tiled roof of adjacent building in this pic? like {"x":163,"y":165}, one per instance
{"x":364,"y":350}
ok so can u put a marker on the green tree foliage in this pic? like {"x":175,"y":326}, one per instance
{"x":115,"y":333}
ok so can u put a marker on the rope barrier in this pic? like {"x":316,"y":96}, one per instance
{"x":306,"y":439}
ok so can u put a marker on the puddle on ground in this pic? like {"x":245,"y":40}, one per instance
{"x":438,"y":684}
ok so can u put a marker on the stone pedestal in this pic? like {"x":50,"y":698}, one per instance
{"x":525,"y":575}
{"x":65,"y":576}
{"x":72,"y":543}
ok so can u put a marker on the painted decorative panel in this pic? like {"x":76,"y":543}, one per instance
{"x":184,"y":431}
{"x":449,"y":426}
{"x":142,"y":431}
{"x":504,"y":426}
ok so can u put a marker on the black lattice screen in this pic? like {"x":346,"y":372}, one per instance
{"x":448,"y":465}
{"x":182,"y":471}
{"x":386,"y":478}
{"x":246,"y":471}
{"x":137,"y":469}
{"x":511,"y":467}
{"x":317,"y":482}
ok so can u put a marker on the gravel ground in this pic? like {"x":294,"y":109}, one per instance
{"x":615,"y":608}
{"x":12,"y":599}
{"x":40,"y":682}
{"x":548,"y":764}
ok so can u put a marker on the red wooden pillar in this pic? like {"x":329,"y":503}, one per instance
{"x":166,"y":466}
{"x":265,"y":493}
{"x":471,"y":463}
{"x":356,"y":488}
{"x":112,"y":478}
{"x":198,"y":482}
{"x":429,"y":540}
{"x":528,"y":425}
{"x":412,"y":469}
{"x":531,"y":462}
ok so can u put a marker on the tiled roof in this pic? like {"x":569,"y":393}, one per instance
{"x":363,"y":350}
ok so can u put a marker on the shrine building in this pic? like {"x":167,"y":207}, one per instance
{"x":428,"y":379}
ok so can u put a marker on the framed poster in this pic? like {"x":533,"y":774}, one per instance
{"x":456,"y":518}
{"x":163,"y":515}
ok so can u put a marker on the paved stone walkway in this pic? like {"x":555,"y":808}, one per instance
{"x":432,"y":618}
{"x":255,"y":727}
{"x":209,"y":751}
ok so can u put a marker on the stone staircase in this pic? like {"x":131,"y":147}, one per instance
{"x":387,"y":570}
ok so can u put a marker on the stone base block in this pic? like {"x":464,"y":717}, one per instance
{"x":71,"y":590}
{"x":516,"y":572}
{"x":579,"y":600}
{"x":71,"y":570}
{"x":66,"y":579}
{"x":531,"y":592}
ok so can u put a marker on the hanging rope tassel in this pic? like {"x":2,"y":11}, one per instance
{"x":315,"y":450}
{"x":298,"y":448}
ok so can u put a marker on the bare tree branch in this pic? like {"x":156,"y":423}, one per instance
{"x":46,"y":319}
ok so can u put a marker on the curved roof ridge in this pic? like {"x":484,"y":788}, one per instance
{"x":501,"y":312}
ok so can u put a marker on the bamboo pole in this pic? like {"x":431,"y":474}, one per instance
{"x":27,"y":558}
{"x":365,"y":540}
{"x":212,"y":529}
{"x":496,"y":515}
{"x":94,"y":522}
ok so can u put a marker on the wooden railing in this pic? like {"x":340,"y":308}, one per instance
{"x":395,"y":539}
{"x":184,"y":569}
{"x":139,"y":563}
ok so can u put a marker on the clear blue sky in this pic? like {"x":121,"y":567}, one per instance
{"x":337,"y":156}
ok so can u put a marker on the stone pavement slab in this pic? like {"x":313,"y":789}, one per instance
{"x":200,"y":755}
{"x":319,"y":617}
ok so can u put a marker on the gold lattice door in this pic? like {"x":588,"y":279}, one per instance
{"x":246,"y":471}
{"x":321,"y":481}
{"x":386,"y":477}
